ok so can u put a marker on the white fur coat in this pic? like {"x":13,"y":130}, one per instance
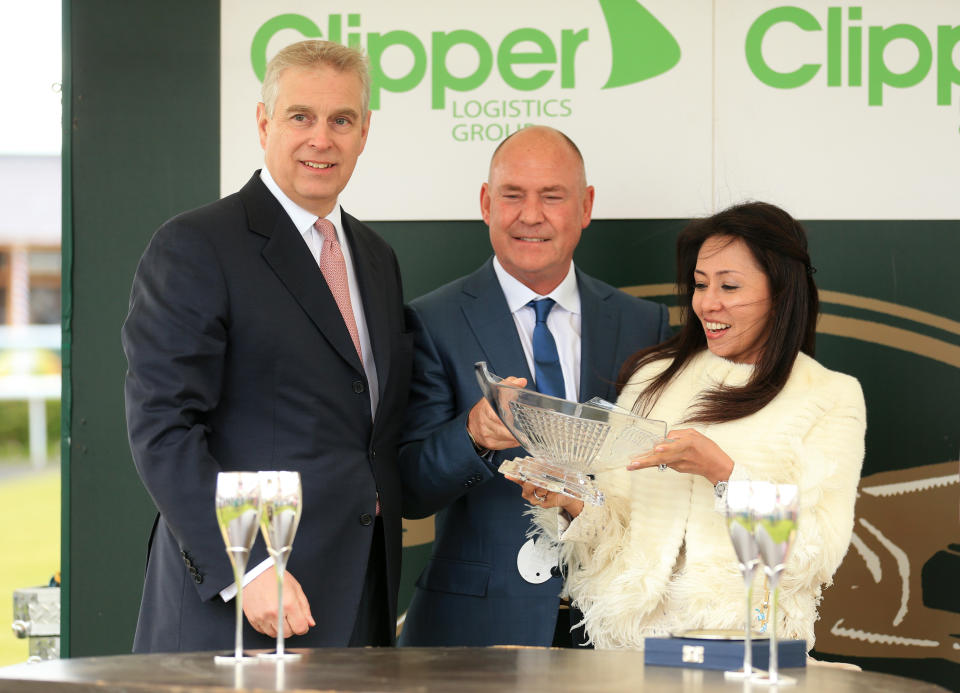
{"x":656,"y":559}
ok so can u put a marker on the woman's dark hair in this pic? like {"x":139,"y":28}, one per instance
{"x":779,"y":245}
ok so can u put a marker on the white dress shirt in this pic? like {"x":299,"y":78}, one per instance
{"x":563,"y":321}
{"x":304,"y":221}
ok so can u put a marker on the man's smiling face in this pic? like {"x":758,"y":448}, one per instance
{"x":312,"y":139}
{"x":536,"y":204}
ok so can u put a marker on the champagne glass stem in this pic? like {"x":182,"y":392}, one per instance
{"x":774,"y":577}
{"x":281,"y":564}
{"x":239,"y":564}
{"x":747,"y":645}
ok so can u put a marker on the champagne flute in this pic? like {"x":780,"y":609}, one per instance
{"x":775,"y":507}
{"x":238,"y":514}
{"x":281,"y":499}
{"x":740,"y":524}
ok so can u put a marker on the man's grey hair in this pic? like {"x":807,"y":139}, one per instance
{"x":315,"y":53}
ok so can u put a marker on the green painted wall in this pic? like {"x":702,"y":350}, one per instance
{"x":142,"y":142}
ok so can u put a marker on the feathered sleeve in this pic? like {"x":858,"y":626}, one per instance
{"x":593,"y":542}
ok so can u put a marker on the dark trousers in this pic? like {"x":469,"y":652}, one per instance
{"x":373,"y":625}
{"x":567,"y":617}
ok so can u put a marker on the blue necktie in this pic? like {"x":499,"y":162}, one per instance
{"x":546,"y":361}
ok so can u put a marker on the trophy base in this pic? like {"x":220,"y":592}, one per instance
{"x":553,"y":478}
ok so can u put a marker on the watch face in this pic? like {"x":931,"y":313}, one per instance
{"x":720,"y":488}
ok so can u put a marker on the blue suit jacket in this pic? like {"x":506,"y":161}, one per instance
{"x":470,"y":592}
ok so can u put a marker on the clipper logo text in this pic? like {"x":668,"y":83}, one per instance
{"x":525,"y":59}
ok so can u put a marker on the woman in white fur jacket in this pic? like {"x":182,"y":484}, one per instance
{"x":745,"y":399}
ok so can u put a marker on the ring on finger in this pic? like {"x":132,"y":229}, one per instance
{"x":662,"y":467}
{"x":539,"y":497}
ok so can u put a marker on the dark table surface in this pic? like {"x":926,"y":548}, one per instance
{"x":419,"y":669}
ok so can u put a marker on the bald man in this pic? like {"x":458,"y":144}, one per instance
{"x":484,"y":585}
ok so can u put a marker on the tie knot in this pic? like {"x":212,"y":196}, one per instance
{"x":326,"y":229}
{"x":542,"y":308}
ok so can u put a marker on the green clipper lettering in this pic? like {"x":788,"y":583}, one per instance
{"x":258,"y":47}
{"x":507,"y":57}
{"x":442,"y":79}
{"x":376,"y":45}
{"x":754,"y":47}
{"x":948,"y":73}
{"x":880,"y":74}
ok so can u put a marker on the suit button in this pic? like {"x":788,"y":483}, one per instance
{"x":555,"y":571}
{"x":366,"y":519}
{"x":358,"y":386}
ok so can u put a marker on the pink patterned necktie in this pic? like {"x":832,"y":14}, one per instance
{"x":335,"y":272}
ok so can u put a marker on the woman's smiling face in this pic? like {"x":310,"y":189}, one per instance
{"x":732,"y":299}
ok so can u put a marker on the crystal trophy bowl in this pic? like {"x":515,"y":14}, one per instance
{"x":568,"y":442}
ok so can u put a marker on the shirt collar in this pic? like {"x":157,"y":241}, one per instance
{"x":519,"y":294}
{"x":302,"y":219}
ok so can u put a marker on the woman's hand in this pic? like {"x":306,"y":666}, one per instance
{"x":690,"y":452}
{"x":548,"y":499}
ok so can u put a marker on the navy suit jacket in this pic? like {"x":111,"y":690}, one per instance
{"x":470,"y":592}
{"x":239,"y":359}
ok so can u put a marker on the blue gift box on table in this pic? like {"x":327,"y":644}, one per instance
{"x":725,"y":654}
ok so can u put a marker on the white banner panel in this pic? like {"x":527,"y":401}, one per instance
{"x":680,"y":107}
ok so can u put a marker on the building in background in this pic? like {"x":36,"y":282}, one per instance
{"x":30,"y":282}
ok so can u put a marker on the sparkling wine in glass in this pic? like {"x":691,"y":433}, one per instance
{"x":740,"y":524}
{"x":238,"y":514}
{"x":281,"y":500}
{"x":775,"y":509}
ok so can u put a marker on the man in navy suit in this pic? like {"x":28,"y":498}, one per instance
{"x":474,"y":590}
{"x":266,"y":331}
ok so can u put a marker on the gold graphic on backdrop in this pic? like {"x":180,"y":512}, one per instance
{"x":854,"y":328}
{"x":417,"y":532}
{"x":894,"y":594}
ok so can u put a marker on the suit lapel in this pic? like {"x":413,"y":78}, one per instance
{"x":600,"y":332}
{"x":287,"y":254}
{"x":370,"y":271}
{"x":489,"y":317}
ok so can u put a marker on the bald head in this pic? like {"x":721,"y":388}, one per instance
{"x":537,"y":136}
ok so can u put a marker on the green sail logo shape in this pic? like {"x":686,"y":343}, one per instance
{"x":641,"y":46}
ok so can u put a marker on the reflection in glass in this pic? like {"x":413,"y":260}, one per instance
{"x":775,"y":511}
{"x":740,"y":524}
{"x":281,"y":500}
{"x":238,"y":515}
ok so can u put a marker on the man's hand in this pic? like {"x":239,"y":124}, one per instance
{"x":485,"y":426}
{"x":260,"y":605}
